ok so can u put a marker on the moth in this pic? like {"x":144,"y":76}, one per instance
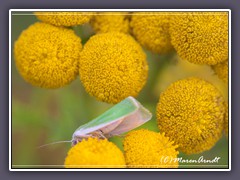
{"x":122,"y":117}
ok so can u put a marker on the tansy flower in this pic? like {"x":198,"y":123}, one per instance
{"x":148,"y":149}
{"x":113,"y":66}
{"x":221,"y":69}
{"x":47,"y":56}
{"x":226,"y":120}
{"x":191,"y":113}
{"x":110,"y":21}
{"x":200,"y":37}
{"x":95,"y":153}
{"x":64,"y":18}
{"x":151,"y":29}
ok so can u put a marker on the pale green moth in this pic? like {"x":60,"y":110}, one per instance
{"x":122,"y":117}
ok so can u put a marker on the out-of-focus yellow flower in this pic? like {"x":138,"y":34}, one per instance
{"x":221,"y":69}
{"x":151,"y":29}
{"x":95,"y":153}
{"x":226,"y":120}
{"x":200,"y":37}
{"x":113,"y":66}
{"x":64,"y":18}
{"x":47,"y":56}
{"x":110,"y":22}
{"x":148,"y":149}
{"x":191,"y":113}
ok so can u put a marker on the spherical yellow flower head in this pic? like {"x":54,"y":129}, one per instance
{"x":47,"y":56}
{"x":148,"y":149}
{"x":221,"y":69}
{"x":191,"y":113}
{"x":152,"y":31}
{"x":112,"y":67}
{"x":226,"y":120}
{"x":110,"y":22}
{"x":64,"y":18}
{"x":95,"y":153}
{"x":200,"y":37}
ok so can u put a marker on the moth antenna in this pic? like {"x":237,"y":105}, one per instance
{"x":58,"y":142}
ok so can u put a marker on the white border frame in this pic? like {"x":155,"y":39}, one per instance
{"x":99,"y":10}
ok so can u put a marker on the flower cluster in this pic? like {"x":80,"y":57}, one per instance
{"x":113,"y":66}
{"x":50,"y":58}
{"x":64,"y":18}
{"x":142,"y":149}
{"x":191,"y":113}
{"x":110,"y":22}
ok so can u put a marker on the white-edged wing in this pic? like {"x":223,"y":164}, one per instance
{"x":124,"y":116}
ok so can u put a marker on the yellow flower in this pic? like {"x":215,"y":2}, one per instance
{"x":110,"y":21}
{"x":221,"y":69}
{"x":148,"y":149}
{"x":191,"y":113}
{"x":113,"y":66}
{"x":47,"y":56}
{"x":152,"y":31}
{"x":200,"y":37}
{"x":64,"y":18}
{"x":95,"y":153}
{"x":226,"y":120}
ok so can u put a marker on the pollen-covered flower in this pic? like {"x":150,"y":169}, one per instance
{"x":221,"y":69}
{"x":148,"y":149}
{"x":64,"y":18}
{"x":113,"y":66}
{"x":191,"y":113}
{"x":110,"y":21}
{"x":151,"y":29}
{"x":200,"y":37}
{"x":47,"y":56}
{"x":95,"y":153}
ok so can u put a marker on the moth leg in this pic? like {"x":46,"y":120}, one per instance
{"x":99,"y":134}
{"x":102,"y":136}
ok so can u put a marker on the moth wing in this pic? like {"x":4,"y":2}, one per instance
{"x":110,"y":127}
{"x":136,"y":119}
{"x":125,"y":108}
{"x":106,"y":128}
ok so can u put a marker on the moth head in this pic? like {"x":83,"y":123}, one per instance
{"x":74,"y":142}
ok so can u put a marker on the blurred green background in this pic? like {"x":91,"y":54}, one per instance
{"x":41,"y":116}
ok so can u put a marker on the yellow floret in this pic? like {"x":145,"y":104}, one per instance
{"x":110,"y":21}
{"x":200,"y":37}
{"x":47,"y":56}
{"x":95,"y":153}
{"x":152,"y":31}
{"x":148,"y":149}
{"x":191,"y":113}
{"x":64,"y":18}
{"x":112,"y":67}
{"x":221,"y":69}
